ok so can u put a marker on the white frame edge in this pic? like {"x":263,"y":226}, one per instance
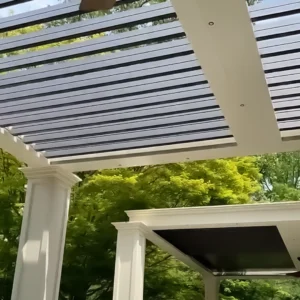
{"x":25,"y":153}
{"x":285,"y":216}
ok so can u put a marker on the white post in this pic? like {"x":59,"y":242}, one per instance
{"x":130,"y":263}
{"x":42,"y":239}
{"x":212,"y":288}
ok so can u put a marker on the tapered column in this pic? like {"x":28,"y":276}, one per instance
{"x":42,"y":239}
{"x":130,"y":263}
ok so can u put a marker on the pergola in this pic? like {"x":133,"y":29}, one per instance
{"x":221,"y":81}
{"x":259,"y":241}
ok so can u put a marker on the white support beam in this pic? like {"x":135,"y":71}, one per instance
{"x":212,"y":288}
{"x":290,"y":135}
{"x":24,"y":153}
{"x":187,"y":152}
{"x":283,"y":216}
{"x":166,"y":246}
{"x":130,"y":263}
{"x":222,"y":37}
{"x":42,"y":239}
{"x":148,"y":156}
{"x":290,"y":233}
{"x":218,"y":216}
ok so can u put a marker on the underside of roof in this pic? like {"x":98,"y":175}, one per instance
{"x":155,"y":84}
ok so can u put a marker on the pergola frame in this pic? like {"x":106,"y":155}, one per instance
{"x":229,"y":56}
{"x":143,"y":224}
{"x":202,"y":85}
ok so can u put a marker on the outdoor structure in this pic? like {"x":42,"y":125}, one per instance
{"x":162,"y":83}
{"x":266,"y":241}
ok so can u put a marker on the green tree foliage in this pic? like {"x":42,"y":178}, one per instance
{"x":281,"y":176}
{"x":257,"y":289}
{"x":12,"y":191}
{"x":103,"y":197}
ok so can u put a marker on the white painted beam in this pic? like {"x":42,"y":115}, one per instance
{"x":290,"y":135}
{"x":147,"y":156}
{"x":166,"y":246}
{"x":222,"y":37}
{"x":290,"y":233}
{"x":218,"y":216}
{"x":212,"y":288}
{"x":224,"y":148}
{"x":24,"y":153}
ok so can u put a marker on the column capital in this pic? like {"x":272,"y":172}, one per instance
{"x":131,"y":226}
{"x":66,"y":177}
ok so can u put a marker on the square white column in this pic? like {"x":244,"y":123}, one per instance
{"x":42,"y":239}
{"x":212,"y":288}
{"x":130,"y":262}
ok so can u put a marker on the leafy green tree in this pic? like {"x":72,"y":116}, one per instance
{"x":103,"y":197}
{"x":252,"y":290}
{"x":12,"y":191}
{"x":281,"y":176}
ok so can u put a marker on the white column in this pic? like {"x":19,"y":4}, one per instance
{"x":130,"y":263}
{"x":212,"y":288}
{"x":42,"y":239}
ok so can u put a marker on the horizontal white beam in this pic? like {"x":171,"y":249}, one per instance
{"x":218,"y":216}
{"x":142,"y":157}
{"x":291,"y":135}
{"x":24,"y":153}
{"x":223,"y":148}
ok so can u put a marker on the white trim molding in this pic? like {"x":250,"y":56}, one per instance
{"x":225,"y":148}
{"x":217,"y":216}
{"x":25,"y":153}
{"x":44,"y":173}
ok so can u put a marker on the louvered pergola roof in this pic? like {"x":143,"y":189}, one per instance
{"x":211,"y":79}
